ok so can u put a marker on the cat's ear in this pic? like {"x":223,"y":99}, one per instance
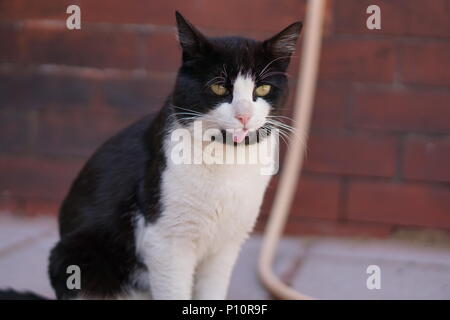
{"x":192,"y":41}
{"x":283,"y":43}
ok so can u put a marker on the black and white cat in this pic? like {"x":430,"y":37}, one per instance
{"x":139,"y":224}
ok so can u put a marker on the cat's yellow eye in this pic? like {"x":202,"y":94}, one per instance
{"x":263,"y":90}
{"x":219,"y":89}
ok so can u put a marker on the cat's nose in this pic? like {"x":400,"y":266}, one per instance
{"x":243,"y":119}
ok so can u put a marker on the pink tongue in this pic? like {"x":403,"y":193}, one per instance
{"x":239,"y":135}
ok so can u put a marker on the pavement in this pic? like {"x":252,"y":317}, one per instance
{"x":324,"y":268}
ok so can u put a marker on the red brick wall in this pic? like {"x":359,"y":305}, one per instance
{"x":379,"y":151}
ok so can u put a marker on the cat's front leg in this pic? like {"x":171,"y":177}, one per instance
{"x":212,"y":276}
{"x":170,"y":264}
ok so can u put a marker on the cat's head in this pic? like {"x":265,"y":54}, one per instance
{"x":232,"y":84}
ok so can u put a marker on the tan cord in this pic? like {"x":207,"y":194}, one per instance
{"x":303,"y":106}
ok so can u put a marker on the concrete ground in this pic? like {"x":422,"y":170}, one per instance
{"x":325,"y":268}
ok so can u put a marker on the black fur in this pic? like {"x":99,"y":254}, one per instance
{"x":121,"y":181}
{"x":10,"y":294}
{"x":97,"y":217}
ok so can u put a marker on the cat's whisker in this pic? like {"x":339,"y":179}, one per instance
{"x":225,"y":71}
{"x":286,"y":131}
{"x":212,"y":81}
{"x":200,"y":117}
{"x":286,"y":138}
{"x":282,"y":117}
{"x":273,"y":73}
{"x":185,"y":109}
{"x":183,"y":113}
{"x":281,"y":134}
{"x":285,"y":126}
{"x":272,"y":61}
{"x":291,"y":135}
{"x":281,"y":123}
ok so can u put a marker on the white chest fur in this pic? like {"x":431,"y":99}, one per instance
{"x":211,"y":204}
{"x":207,"y":212}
